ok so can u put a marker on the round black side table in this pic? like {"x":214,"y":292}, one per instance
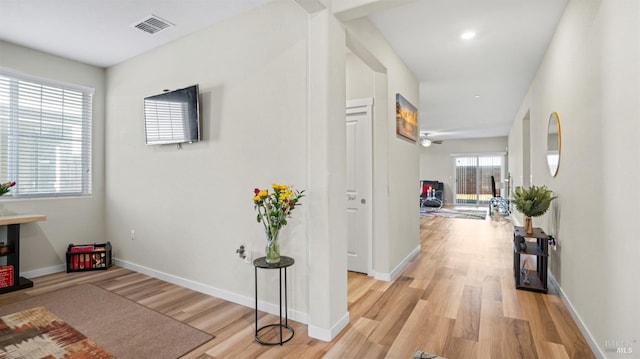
{"x":280,"y":266}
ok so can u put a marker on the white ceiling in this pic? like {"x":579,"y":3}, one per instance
{"x":498,"y":65}
{"x":99,"y":32}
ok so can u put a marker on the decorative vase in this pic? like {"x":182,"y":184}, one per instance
{"x":522,"y":244}
{"x":528,"y":224}
{"x":272,"y":250}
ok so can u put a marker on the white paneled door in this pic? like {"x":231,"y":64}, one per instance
{"x":359,"y":184}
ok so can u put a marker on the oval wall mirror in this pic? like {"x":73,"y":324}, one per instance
{"x":554,"y":143}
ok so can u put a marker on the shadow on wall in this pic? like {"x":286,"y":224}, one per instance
{"x":555,"y":251}
{"x":448,"y":194}
{"x":37,"y":248}
{"x":211,"y":112}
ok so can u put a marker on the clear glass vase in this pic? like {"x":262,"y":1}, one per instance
{"x":272,"y":250}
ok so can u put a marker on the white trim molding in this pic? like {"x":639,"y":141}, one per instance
{"x":327,"y":335}
{"x":212,"y":291}
{"x":44,"y":271}
{"x":595,"y":348}
{"x":193,"y":285}
{"x":387,"y":277}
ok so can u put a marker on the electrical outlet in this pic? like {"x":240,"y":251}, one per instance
{"x":133,"y":234}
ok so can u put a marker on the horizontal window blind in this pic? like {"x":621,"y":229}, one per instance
{"x":45,"y":137}
{"x":164,"y":120}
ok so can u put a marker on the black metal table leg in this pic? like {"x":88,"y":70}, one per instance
{"x":283,"y":264}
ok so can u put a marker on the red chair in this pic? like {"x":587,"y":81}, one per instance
{"x":431,"y":194}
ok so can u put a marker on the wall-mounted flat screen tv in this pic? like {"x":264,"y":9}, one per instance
{"x":172,"y":117}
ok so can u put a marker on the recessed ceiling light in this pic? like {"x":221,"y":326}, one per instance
{"x":468,"y":35}
{"x":477,"y":96}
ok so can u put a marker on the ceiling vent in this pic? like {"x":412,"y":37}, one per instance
{"x":152,"y":24}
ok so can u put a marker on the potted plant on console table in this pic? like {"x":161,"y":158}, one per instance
{"x":532,"y":202}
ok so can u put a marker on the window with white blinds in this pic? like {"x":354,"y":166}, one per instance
{"x":45,"y":137}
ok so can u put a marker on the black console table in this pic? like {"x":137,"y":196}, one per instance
{"x":12,"y":248}
{"x":532,"y":281}
{"x":281,"y":266}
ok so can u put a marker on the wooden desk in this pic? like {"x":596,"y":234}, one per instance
{"x":13,"y":223}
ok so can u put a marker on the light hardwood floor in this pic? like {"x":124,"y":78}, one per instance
{"x":456,"y":299}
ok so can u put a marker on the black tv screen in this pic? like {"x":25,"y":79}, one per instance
{"x":172,"y":117}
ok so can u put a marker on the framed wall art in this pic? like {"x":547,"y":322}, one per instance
{"x":406,"y":119}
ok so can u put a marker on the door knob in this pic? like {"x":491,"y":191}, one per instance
{"x":363,"y":201}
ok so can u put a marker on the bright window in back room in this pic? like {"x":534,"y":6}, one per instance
{"x":473,"y":178}
{"x":45,"y":136}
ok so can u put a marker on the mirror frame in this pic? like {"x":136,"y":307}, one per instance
{"x":554,"y":123}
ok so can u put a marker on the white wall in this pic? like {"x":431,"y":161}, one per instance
{"x":192,"y":208}
{"x":517,"y":160}
{"x":359,"y":78}
{"x":69,"y":220}
{"x":589,"y":75}
{"x":436,"y":162}
{"x":272,"y":85}
{"x":327,"y":176}
{"x":394,"y":157}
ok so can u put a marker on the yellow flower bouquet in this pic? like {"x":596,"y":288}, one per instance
{"x":273,"y":210}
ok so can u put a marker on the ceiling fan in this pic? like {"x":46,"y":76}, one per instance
{"x":426,"y":141}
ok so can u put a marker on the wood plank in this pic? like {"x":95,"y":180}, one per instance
{"x":460,"y":348}
{"x":354,"y":341}
{"x":568,"y":332}
{"x":542,"y":326}
{"x":552,"y":350}
{"x":393,"y":311}
{"x":423,"y":331}
{"x":491,"y":319}
{"x":468,"y":319}
{"x":456,"y":298}
{"x":21,"y":218}
{"x":513,"y":340}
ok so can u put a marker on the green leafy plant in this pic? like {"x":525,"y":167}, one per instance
{"x":274,"y":208}
{"x":6,"y":187}
{"x":533,"y":201}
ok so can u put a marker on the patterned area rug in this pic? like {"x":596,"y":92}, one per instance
{"x":455,"y":213}
{"x":424,"y":355}
{"x":124,"y":328}
{"x":38,"y":333}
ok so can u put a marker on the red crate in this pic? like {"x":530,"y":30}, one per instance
{"x":88,"y":257}
{"x":6,"y":276}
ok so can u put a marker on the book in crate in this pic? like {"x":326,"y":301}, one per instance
{"x":6,"y":276}
{"x":87,"y":257}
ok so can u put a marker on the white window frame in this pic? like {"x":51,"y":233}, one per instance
{"x":81,"y":183}
{"x":477,"y":201}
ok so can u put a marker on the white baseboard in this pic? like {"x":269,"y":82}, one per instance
{"x":595,"y":348}
{"x":387,"y":277}
{"x":328,"y":335}
{"x":315,"y":332}
{"x":44,"y":271}
{"x":212,"y":291}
